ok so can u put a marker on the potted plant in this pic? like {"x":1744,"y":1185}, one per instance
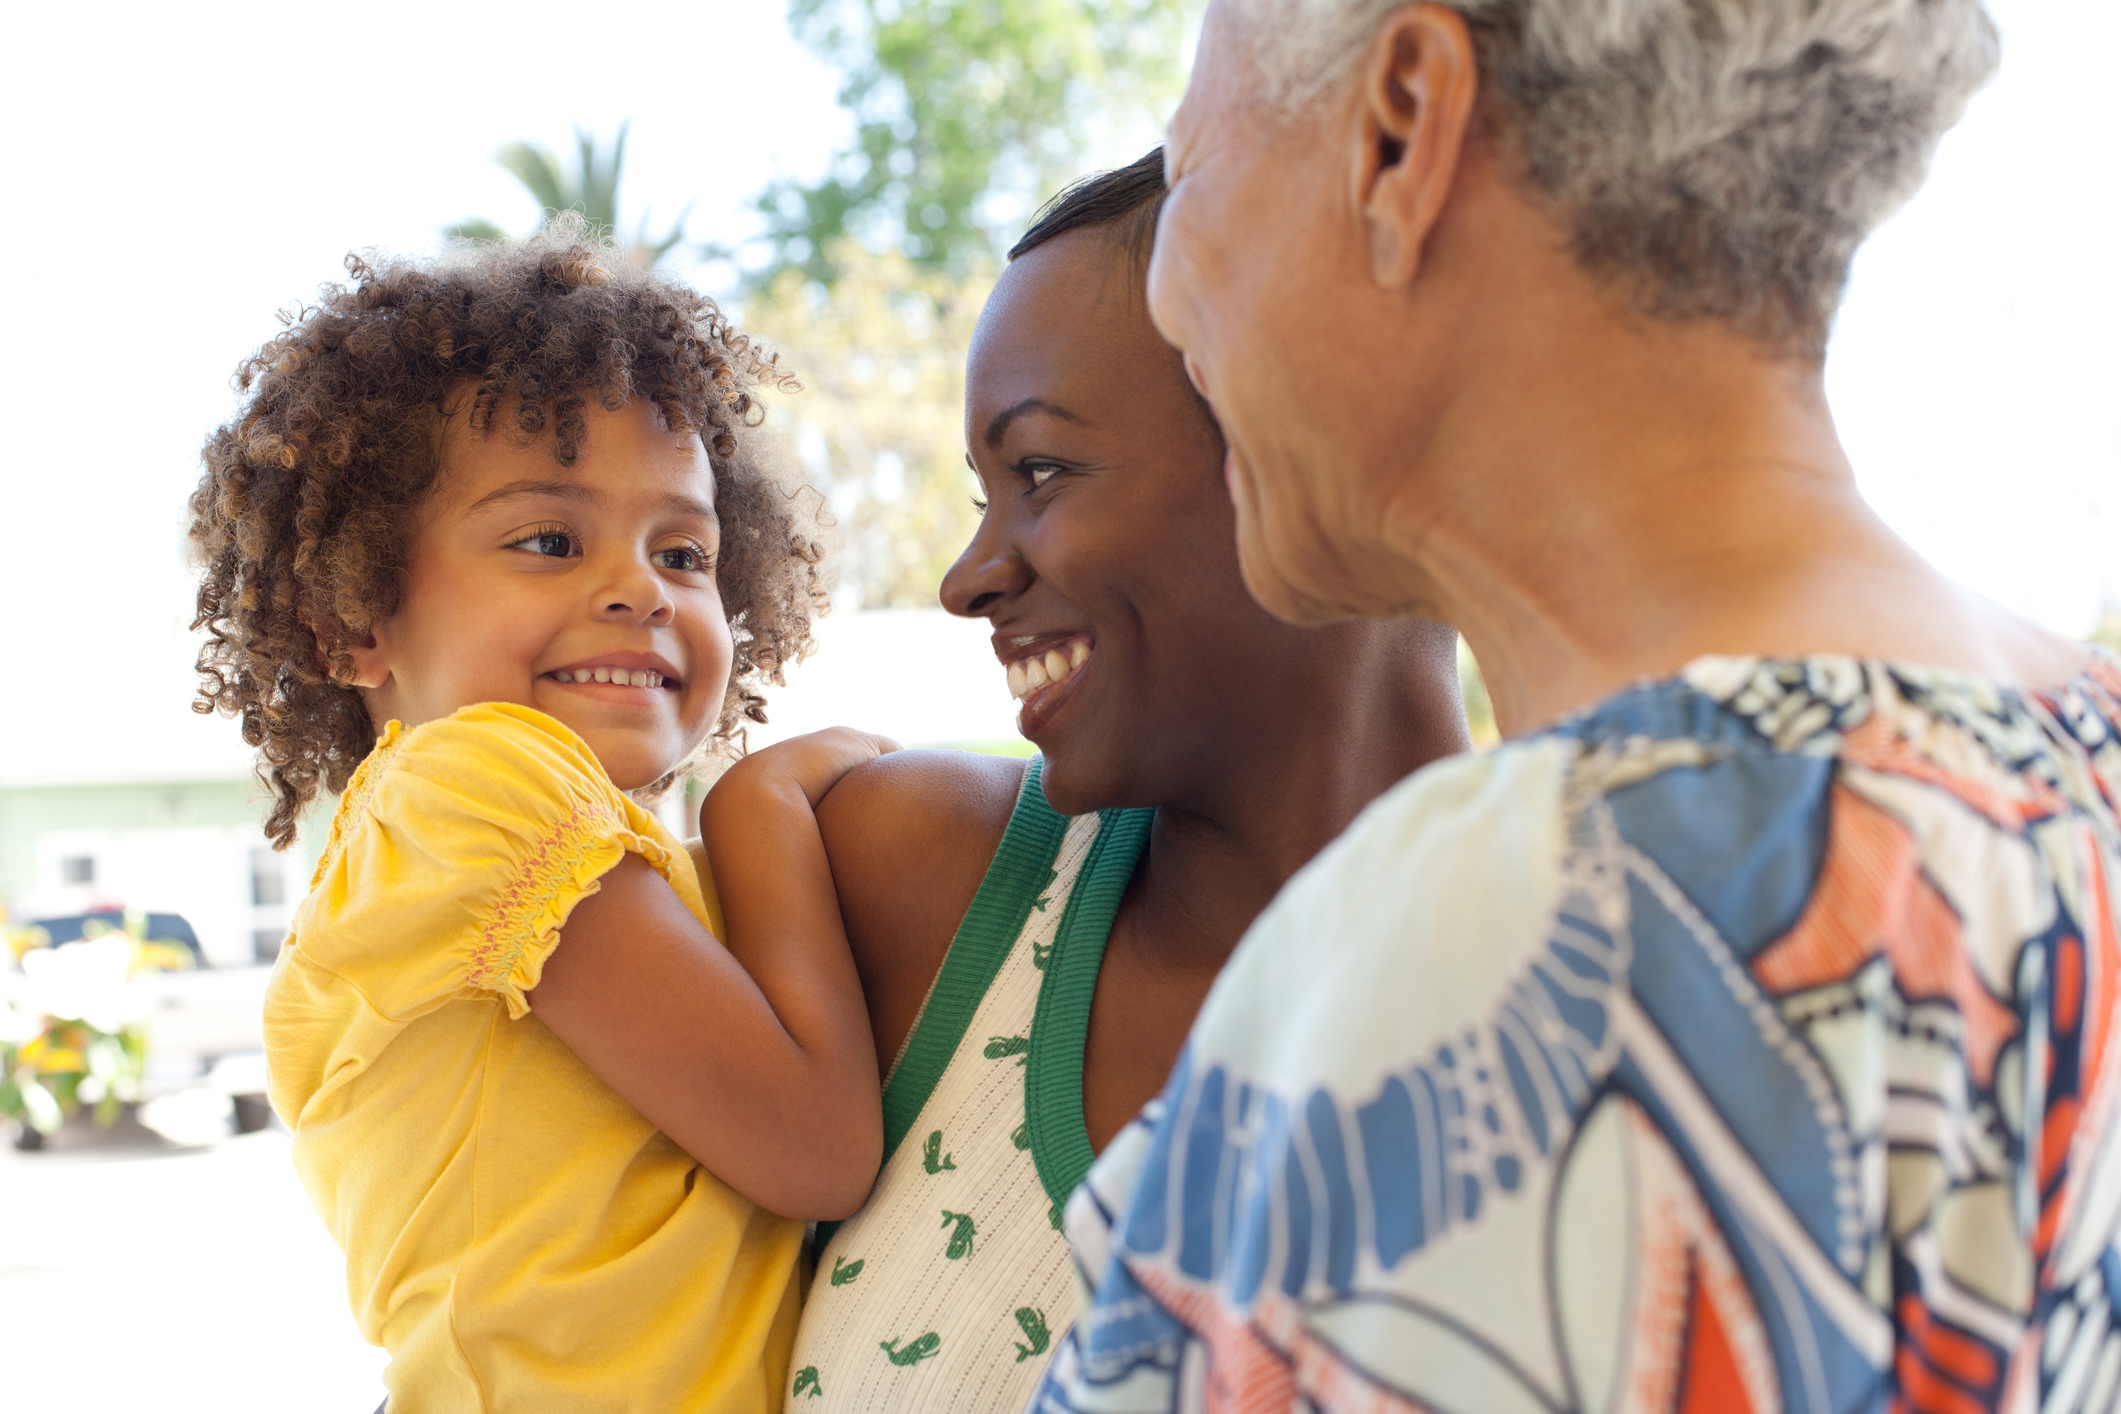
{"x":73,"y":1028}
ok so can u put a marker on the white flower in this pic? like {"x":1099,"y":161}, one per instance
{"x":85,"y":982}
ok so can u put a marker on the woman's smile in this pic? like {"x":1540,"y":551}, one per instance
{"x":1043,"y":669}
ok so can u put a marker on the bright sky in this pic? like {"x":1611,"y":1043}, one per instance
{"x":186,"y":171}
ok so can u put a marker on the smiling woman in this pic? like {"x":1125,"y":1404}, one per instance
{"x":1034,"y":940}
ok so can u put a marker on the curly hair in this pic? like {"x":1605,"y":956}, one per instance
{"x":1726,"y":159}
{"x":304,"y":518}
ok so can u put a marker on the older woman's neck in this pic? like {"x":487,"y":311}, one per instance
{"x":1650,"y":491}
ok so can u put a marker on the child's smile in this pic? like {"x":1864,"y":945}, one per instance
{"x":587,"y":592}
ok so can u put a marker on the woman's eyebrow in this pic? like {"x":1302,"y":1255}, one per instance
{"x":1001,"y":420}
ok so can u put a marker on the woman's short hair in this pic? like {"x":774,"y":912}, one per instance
{"x":1724,"y":156}
{"x":1126,"y":199}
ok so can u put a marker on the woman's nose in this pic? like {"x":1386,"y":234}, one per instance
{"x":990,"y":571}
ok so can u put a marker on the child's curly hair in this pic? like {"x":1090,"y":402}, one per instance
{"x":304,"y":517}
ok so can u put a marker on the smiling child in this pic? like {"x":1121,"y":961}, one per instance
{"x":490,"y":549}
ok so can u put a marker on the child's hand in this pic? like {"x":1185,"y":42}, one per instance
{"x":743,"y":1049}
{"x":813,"y":763}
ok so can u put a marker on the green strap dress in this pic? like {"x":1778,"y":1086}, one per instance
{"x":949,"y":1288}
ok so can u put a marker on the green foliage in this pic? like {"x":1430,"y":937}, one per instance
{"x":591,"y":187}
{"x":2108,"y":630}
{"x":880,"y":420}
{"x":965,"y":109}
{"x":1473,"y":695}
{"x":70,"y":1035}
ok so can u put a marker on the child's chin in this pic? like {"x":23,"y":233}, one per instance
{"x":631,"y":767}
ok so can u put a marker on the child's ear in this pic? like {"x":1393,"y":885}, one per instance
{"x":370,"y":667}
{"x":371,"y":663}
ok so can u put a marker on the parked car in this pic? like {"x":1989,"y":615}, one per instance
{"x":204,"y":1026}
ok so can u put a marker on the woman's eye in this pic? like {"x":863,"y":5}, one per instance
{"x":556,"y":543}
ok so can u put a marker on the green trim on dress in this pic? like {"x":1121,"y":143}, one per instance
{"x":1019,"y":873}
{"x":1060,"y":1028}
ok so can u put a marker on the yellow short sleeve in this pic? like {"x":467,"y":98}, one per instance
{"x":473,"y":838}
{"x":516,"y":1234}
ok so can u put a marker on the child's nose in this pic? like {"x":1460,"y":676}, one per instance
{"x":636,"y":593}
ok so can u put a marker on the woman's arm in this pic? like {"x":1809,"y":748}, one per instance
{"x":754,"y":1056}
{"x":910,"y":836}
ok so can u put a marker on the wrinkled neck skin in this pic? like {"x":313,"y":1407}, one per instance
{"x":1218,"y":854}
{"x":1593,"y":496}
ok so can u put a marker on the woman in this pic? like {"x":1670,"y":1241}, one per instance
{"x":1740,"y":1035}
{"x":1035,"y":940}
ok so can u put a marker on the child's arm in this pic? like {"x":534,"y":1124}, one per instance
{"x":755,"y":1057}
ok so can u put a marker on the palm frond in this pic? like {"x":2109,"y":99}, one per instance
{"x":539,"y":172}
{"x":478,"y":228}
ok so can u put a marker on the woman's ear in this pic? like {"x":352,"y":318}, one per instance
{"x":1414,"y":108}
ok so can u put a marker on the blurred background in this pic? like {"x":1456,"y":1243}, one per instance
{"x":843,"y":175}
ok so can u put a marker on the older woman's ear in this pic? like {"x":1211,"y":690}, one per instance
{"x":1413,"y":110}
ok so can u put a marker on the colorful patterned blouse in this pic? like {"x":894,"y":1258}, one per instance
{"x":1746,"y":1043}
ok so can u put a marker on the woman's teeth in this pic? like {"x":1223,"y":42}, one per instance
{"x":620,"y":676}
{"x":1028,"y":675}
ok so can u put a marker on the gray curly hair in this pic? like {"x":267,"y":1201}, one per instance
{"x":1725,"y":157}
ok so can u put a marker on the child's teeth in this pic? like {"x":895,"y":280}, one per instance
{"x":1056,"y":666}
{"x":1034,"y":673}
{"x":1017,"y":687}
{"x":1077,"y":653}
{"x":619,"y":676}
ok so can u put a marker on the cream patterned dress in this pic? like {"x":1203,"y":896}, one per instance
{"x":948,"y":1290}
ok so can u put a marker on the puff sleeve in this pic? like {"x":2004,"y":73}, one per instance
{"x":458,"y":854}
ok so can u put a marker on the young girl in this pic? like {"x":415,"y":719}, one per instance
{"x":490,"y":548}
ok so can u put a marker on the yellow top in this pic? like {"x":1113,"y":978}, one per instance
{"x":516,"y":1235}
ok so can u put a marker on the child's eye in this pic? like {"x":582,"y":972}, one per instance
{"x":1038,"y":473}
{"x":687,"y":559}
{"x":549,"y":540}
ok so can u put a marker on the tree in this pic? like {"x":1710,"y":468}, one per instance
{"x":967,"y":112}
{"x":592,"y":188}
{"x":879,"y":424}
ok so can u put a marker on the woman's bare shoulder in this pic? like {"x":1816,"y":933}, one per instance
{"x":911,"y":806}
{"x":910,"y":836}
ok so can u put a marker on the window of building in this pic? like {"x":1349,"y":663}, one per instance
{"x":77,"y":869}
{"x":268,"y":881}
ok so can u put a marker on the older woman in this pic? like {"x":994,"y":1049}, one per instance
{"x":1740,"y":1035}
{"x":1034,"y":938}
